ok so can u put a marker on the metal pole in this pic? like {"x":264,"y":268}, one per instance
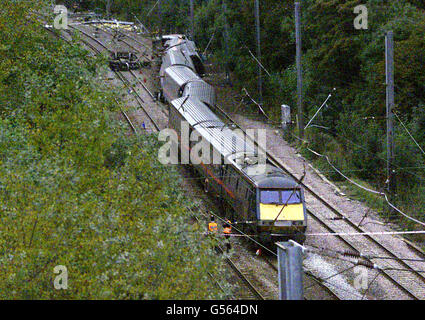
{"x":290,"y":273}
{"x":258,"y":31}
{"x":108,"y":8}
{"x":389,"y":63}
{"x":299,"y":70}
{"x":160,"y":17}
{"x":192,"y":19}
{"x":226,"y":39}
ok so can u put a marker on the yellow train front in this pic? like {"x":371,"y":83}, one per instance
{"x":281,"y":211}
{"x":256,"y":195}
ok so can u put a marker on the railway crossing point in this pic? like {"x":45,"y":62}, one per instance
{"x":290,"y":272}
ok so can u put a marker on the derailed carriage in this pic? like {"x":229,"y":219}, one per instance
{"x":260,"y":197}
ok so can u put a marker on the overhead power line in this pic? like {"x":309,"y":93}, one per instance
{"x":364,"y":233}
{"x":349,"y":253}
{"x":150,"y":11}
{"x":408,"y":132}
{"x":321,"y":107}
{"x":359,"y":185}
{"x":258,"y":62}
{"x":256,"y":103}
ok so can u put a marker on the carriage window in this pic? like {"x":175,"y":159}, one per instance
{"x":291,"y":197}
{"x":270,"y":197}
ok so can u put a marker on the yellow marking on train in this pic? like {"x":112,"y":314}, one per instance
{"x":292,"y":212}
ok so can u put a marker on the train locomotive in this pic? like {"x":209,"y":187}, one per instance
{"x":259,"y":197}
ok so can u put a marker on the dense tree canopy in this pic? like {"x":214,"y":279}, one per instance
{"x":76,"y":190}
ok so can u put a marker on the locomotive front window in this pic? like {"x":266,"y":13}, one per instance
{"x":280,"y":197}
{"x":291,"y":197}
{"x":270,"y":197}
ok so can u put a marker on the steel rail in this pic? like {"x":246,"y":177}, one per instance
{"x":335,"y":211}
{"x":237,"y":271}
{"x":143,"y":85}
{"x":119,"y":75}
{"x":140,"y":99}
{"x":111,"y":33}
{"x":321,"y":283}
{"x":311,"y":275}
{"x":126,"y":35}
{"x":96,"y":51}
{"x":243,"y":277}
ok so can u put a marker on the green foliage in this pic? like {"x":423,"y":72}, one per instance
{"x":76,"y":190}
{"x":335,"y":55}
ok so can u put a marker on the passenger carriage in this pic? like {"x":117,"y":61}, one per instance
{"x":259,"y":196}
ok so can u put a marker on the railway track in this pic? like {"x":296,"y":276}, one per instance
{"x":135,"y":41}
{"x":399,"y":272}
{"x":243,"y":276}
{"x":122,"y":77}
{"x":97,"y":47}
{"x":331,"y":293}
{"x":113,"y":32}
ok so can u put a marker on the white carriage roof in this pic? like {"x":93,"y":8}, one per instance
{"x":202,"y":90}
{"x":182,"y":74}
{"x":230,"y":144}
{"x":172,"y":58}
{"x":210,"y":126}
{"x":174,"y":42}
{"x":180,"y":43}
